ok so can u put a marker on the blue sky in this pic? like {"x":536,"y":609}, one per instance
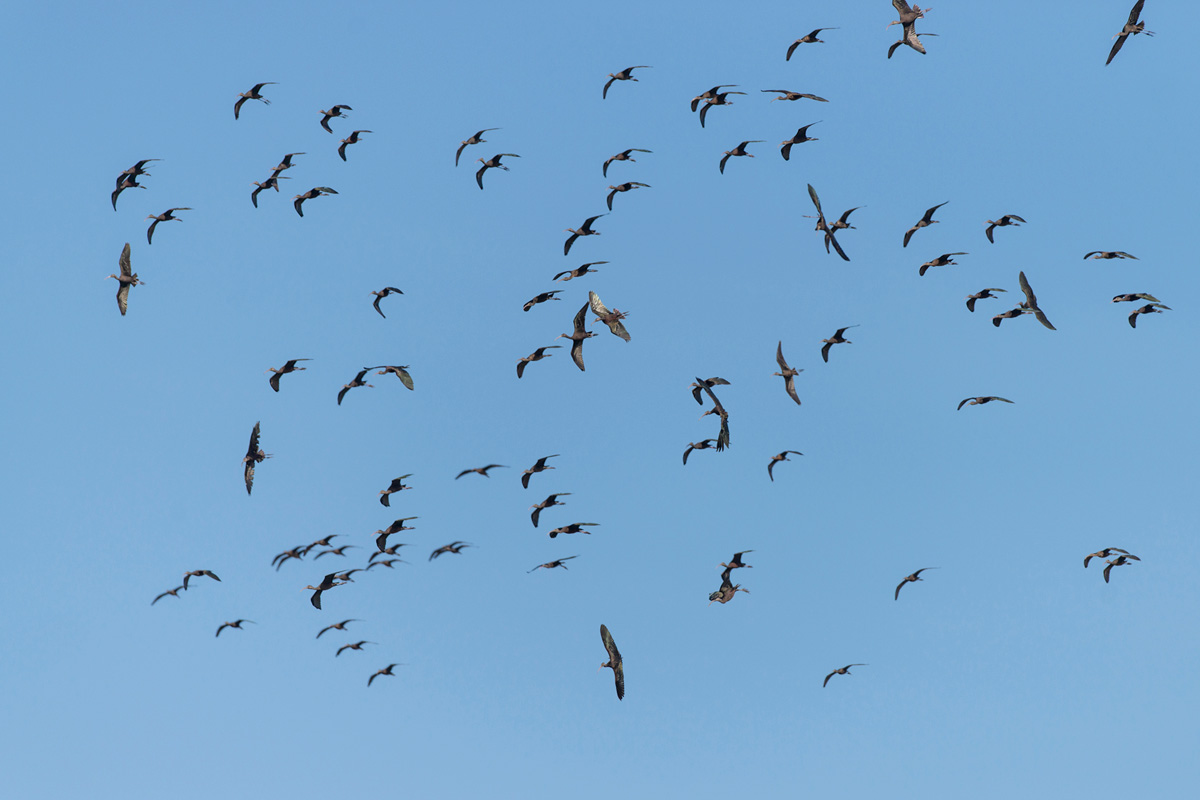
{"x":1010,"y":669}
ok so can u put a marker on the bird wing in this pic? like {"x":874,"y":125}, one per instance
{"x":570,"y":241}
{"x":703,"y":114}
{"x":789,"y":383}
{"x":785,"y":151}
{"x":342,"y":149}
{"x":833,"y":240}
{"x":611,"y":195}
{"x":577,"y":354}
{"x":790,"y":50}
{"x":825,"y":351}
{"x":929,"y":212}
{"x":770,"y":469}
{"x":901,"y":6}
{"x":237,"y":107}
{"x":479,"y":175}
{"x":783,"y":365}
{"x":963,"y":403}
{"x":405,"y":378}
{"x":123,"y":297}
{"x":812,"y":193}
{"x":604,"y":94}
{"x":827,"y":677}
{"x":898,"y":588}
{"x":296,"y":204}
{"x":610,"y":646}
{"x":988,"y":233}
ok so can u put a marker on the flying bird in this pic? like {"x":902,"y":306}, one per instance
{"x":710,"y":94}
{"x":338,"y":551}
{"x":270,"y":183}
{"x":1006,"y":220}
{"x":351,"y":139}
{"x":944,"y":260}
{"x":133,"y":172}
{"x":624,"y":75}
{"x":290,"y":366}
{"x":704,"y":444}
{"x":924,"y":222}
{"x":908,"y":18}
{"x":385,"y":671}
{"x":254,"y":455}
{"x":788,"y":374}
{"x":1150,"y":308}
{"x":1011,"y":313}
{"x":397,"y":485}
{"x":702,"y":385}
{"x":316,"y":191}
{"x":536,"y":355}
{"x":355,"y":646}
{"x":453,"y":547}
{"x":610,"y":318}
{"x":800,"y":137}
{"x":166,"y":216}
{"x":198,"y":573}
{"x":253,"y":94}
{"x":584,"y":230}
{"x":823,"y":226}
{"x":578,"y":272}
{"x":236,"y":624}
{"x":843,"y":671}
{"x":838,"y":338}
{"x":614,"y":661}
{"x":1106,"y":552}
{"x":400,"y":372}
{"x":1133,"y":298}
{"x":1132,"y":26}
{"x":542,"y":298}
{"x":979,"y":401}
{"x":173,"y":592}
{"x":395,"y":527}
{"x":558,"y":562}
{"x":552,"y":500}
{"x":327,"y":583}
{"x":578,"y":335}
{"x":624,"y":187}
{"x":491,"y":163}
{"x":740,"y":150}
{"x":382,"y":293}
{"x":354,"y":384}
{"x":574,"y":527}
{"x":479,"y":470}
{"x":1106,"y":254}
{"x":808,"y":38}
{"x":1031,"y":302}
{"x":624,"y":156}
{"x":128,"y":182}
{"x":788,"y":94}
{"x":736,"y":562}
{"x":983,"y":294}
{"x":720,"y":99}
{"x":910,"y":579}
{"x":336,"y":111}
{"x":125,"y":280}
{"x":1119,"y":561}
{"x":540,"y":465}
{"x":728,"y":590}
{"x":337,"y":626}
{"x":285,"y":163}
{"x":476,"y":138}
{"x":775,"y":459}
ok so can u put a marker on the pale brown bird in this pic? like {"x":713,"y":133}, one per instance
{"x":382,"y":293}
{"x":290,"y":366}
{"x":788,"y":94}
{"x":788,"y":374}
{"x":558,"y":562}
{"x":125,"y":280}
{"x":701,"y":385}
{"x":394,"y":550}
{"x":1119,"y":561}
{"x":574,"y":527}
{"x":453,"y":547}
{"x":385,"y":671}
{"x":624,"y":156}
{"x":173,"y":592}
{"x":979,"y":401}
{"x":924,"y":222}
{"x":1031,"y":302}
{"x":704,"y":444}
{"x":823,"y":226}
{"x":385,"y":563}
{"x":843,"y":671}
{"x":578,"y":272}
{"x":336,"y":111}
{"x":270,"y":183}
{"x":400,"y":372}
{"x":1107,"y":254}
{"x":1132,"y":26}
{"x":838,"y":338}
{"x":578,"y":335}
{"x":236,"y":624}
{"x":624,"y":75}
{"x":479,"y":470}
{"x":908,"y":18}
{"x":610,"y":318}
{"x":800,"y":137}
{"x":285,"y":163}
{"x":910,"y":579}
{"x":808,"y":38}
{"x":775,"y":459}
{"x":491,"y":163}
{"x":327,"y":583}
{"x":740,"y":150}
{"x":536,"y":355}
{"x":1006,"y":220}
{"x":614,"y":662}
{"x":354,"y":384}
{"x":253,"y":94}
{"x":254,"y":455}
{"x":166,"y":216}
{"x":719,"y":99}
{"x":584,"y":230}
{"x":316,"y":191}
{"x":355,"y":646}
{"x":624,"y":187}
{"x":1010,"y":314}
{"x":552,"y":500}
{"x":983,"y":294}
{"x":475,"y":139}
{"x":351,"y":139}
{"x":944,"y":260}
{"x":198,"y":573}
{"x":727,"y":592}
{"x":336,"y":551}
{"x":1106,"y":552}
{"x":711,"y":93}
{"x":397,"y":485}
{"x":1150,"y":308}
{"x":128,"y":182}
{"x":540,"y":465}
{"x":541,"y":298}
{"x":297,"y":553}
{"x":337,"y":626}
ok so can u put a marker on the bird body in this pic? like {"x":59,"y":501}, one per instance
{"x":254,"y":455}
{"x":578,"y":335}
{"x":838,"y":338}
{"x":351,"y":139}
{"x":584,"y":230}
{"x":614,"y":662}
{"x":574,"y":527}
{"x":1131,"y":27}
{"x":740,"y":150}
{"x":332,"y":113}
{"x":1006,"y":220}
{"x":316,"y":191}
{"x":125,"y":280}
{"x":491,"y":163}
{"x":166,"y":216}
{"x":624,"y":75}
{"x":253,"y":94}
{"x":475,"y":139}
{"x":979,"y":401}
{"x":800,"y":137}
{"x":910,"y":579}
{"x":925,"y":221}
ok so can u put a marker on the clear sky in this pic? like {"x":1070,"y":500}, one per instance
{"x":1009,"y":671}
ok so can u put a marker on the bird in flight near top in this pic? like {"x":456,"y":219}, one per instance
{"x":624,"y":75}
{"x":1133,"y":26}
{"x":808,"y":38}
{"x":253,"y":94}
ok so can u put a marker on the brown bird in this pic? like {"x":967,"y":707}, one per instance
{"x":552,"y":500}
{"x":385,"y":671}
{"x":198,"y":573}
{"x":711,"y":93}
{"x":254,"y":455}
{"x":577,"y":336}
{"x":385,"y":563}
{"x":337,"y":626}
{"x":316,"y":191}
{"x":704,"y":444}
{"x":400,"y":372}
{"x":479,"y":470}
{"x":356,"y":646}
{"x":723,"y":439}
{"x":578,"y":272}
{"x":624,"y":156}
{"x":1105,"y":553}
{"x":788,"y":374}
{"x":910,"y":579}
{"x":397,"y":485}
{"x":1119,"y":561}
{"x":1150,"y":308}
{"x":800,"y":138}
{"x":322,"y":542}
{"x":944,"y":260}
{"x":166,"y":216}
{"x":134,"y":171}
{"x":924,"y":222}
{"x":491,"y":163}
{"x":336,"y":551}
{"x":536,"y":355}
{"x":843,"y":671}
{"x":908,"y":18}
{"x":740,"y":150}
{"x":541,"y":298}
{"x":128,"y":182}
{"x":253,"y":94}
{"x":1006,"y":220}
{"x":237,"y":624}
{"x":125,"y":280}
{"x":354,"y":384}
{"x":395,"y":527}
{"x":1031,"y":302}
{"x":574,"y":527}
{"x":290,"y":366}
{"x":352,"y":139}
{"x":702,"y":385}
{"x":1133,"y":298}
{"x":475,"y":139}
{"x":979,"y":401}
{"x":823,"y":226}
{"x":614,"y":661}
{"x":336,"y":111}
{"x":584,"y":230}
{"x":1011,"y":313}
{"x":453,"y":547}
{"x":808,"y":38}
{"x":624,"y":187}
{"x":327,"y":583}
{"x":1132,"y":26}
{"x":1106,"y":254}
{"x":788,"y":94}
{"x":558,"y":562}
{"x":270,"y":183}
{"x":842,"y":222}
{"x":736,"y":562}
{"x":285,"y":163}
{"x":727,"y":592}
{"x":394,"y":550}
{"x":382,"y":293}
{"x":983,"y":294}
{"x":610,"y":318}
{"x":540,"y":465}
{"x":837,"y":339}
{"x":173,"y":592}
{"x":297,"y":553}
{"x":719,"y":99}
{"x":624,"y":75}
{"x":775,"y":459}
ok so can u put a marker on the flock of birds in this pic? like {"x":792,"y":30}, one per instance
{"x":387,"y":554}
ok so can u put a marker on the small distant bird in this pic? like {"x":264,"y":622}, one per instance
{"x":838,"y":338}
{"x":476,"y":138}
{"x":254,"y":455}
{"x":983,"y":294}
{"x":389,"y":563}
{"x":610,"y":318}
{"x":395,"y":527}
{"x":624,"y":187}
{"x":479,"y":470}
{"x":704,"y":444}
{"x":788,"y":94}
{"x":270,"y":183}
{"x":400,"y":372}
{"x":1006,"y":220}
{"x":1150,"y":308}
{"x":623,"y":156}
{"x":253,"y":94}
{"x":337,"y":551}
{"x":296,"y":552}
{"x":823,"y":226}
{"x":354,"y":384}
{"x":290,"y":366}
{"x":702,"y":385}
{"x":908,"y":18}
{"x":740,"y":150}
{"x":775,"y":459}
{"x":336,"y":111}
{"x":736,"y":562}
{"x":1133,"y":298}
{"x":1106,"y":552}
{"x":385,"y":671}
{"x":491,"y":163}
{"x":540,"y":465}
{"x":578,"y":272}
{"x":285,"y":163}
{"x":808,"y":38}
{"x":355,"y":646}
{"x":944,"y":260}
{"x":316,"y":191}
{"x":453,"y":547}
{"x":173,"y":592}
{"x":536,"y":355}
{"x":541,"y":298}
{"x":166,"y":216}
{"x":788,"y":374}
{"x":574,"y":527}
{"x":236,"y":624}
{"x":337,"y":626}
{"x":351,"y":139}
{"x":558,"y":562}
{"x":710,"y":94}
{"x":584,"y":230}
{"x":1011,"y":313}
{"x":624,"y":75}
{"x":125,"y":280}
{"x":979,"y":401}
{"x":843,"y":671}
{"x":1132,"y":26}
{"x":327,"y":583}
{"x":128,"y":182}
{"x":800,"y":138}
{"x":925,"y":221}
{"x":910,"y":579}
{"x":199,"y":573}
{"x":387,"y":551}
{"x":1119,"y":561}
{"x":719,"y":99}
{"x":578,"y":335}
{"x":382,"y":293}
{"x":397,"y":485}
{"x":1031,"y":302}
{"x":614,"y":661}
{"x":552,"y":500}
{"x":1106,"y":254}
{"x":345,"y":576}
